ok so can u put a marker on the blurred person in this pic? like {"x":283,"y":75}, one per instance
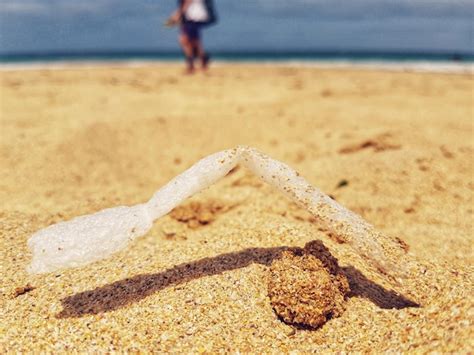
{"x":192,"y":16}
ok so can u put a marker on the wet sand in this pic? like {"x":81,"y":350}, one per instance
{"x":395,"y":147}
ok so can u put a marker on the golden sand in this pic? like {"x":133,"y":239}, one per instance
{"x":395,"y":147}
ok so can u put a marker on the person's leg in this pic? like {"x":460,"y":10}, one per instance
{"x":187,"y":46}
{"x":199,"y":51}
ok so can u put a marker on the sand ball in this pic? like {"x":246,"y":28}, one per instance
{"x":306,"y":286}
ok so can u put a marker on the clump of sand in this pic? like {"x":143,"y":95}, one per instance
{"x":196,"y":214}
{"x":306,"y":286}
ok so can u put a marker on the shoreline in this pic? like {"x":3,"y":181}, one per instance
{"x":447,"y":67}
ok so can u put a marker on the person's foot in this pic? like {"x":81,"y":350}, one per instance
{"x":189,"y":71}
{"x":205,"y":61}
{"x":189,"y":66}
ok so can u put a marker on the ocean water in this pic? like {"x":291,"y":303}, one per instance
{"x":389,"y":60}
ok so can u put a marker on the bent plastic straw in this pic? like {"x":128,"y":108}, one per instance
{"x":89,"y":238}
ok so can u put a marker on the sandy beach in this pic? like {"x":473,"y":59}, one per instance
{"x":395,"y":147}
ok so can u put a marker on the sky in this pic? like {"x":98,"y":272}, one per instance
{"x":265,"y":25}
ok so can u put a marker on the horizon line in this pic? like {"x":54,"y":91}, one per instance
{"x":237,"y":53}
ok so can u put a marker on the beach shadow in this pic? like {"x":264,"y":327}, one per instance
{"x":128,"y":291}
{"x":361,"y":286}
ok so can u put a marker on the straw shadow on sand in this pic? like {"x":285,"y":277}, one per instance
{"x":124,"y":292}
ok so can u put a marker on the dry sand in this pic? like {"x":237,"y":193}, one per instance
{"x":396,"y":148}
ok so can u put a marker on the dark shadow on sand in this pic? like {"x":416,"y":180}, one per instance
{"x":124,"y":292}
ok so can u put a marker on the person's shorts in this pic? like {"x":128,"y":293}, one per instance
{"x":192,"y":30}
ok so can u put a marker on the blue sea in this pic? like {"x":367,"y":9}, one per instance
{"x":424,"y":61}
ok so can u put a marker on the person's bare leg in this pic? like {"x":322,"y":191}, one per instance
{"x":188,"y":51}
{"x":199,"y":50}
